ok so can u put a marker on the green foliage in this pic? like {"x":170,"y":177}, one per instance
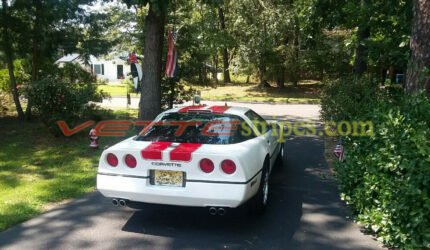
{"x":347,"y":98}
{"x":385,"y":178}
{"x":57,"y":99}
{"x":174,"y":92}
{"x":74,"y":73}
{"x":21,"y":75}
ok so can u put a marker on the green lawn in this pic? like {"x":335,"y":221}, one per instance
{"x":37,"y":169}
{"x":115,"y":90}
{"x":305,"y":93}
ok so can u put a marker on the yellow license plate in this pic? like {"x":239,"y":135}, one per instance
{"x":168,"y":178}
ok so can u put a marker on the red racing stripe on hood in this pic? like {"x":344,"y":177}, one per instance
{"x":155,"y":150}
{"x":184,"y":151}
{"x":218,"y":109}
{"x":188,"y":108}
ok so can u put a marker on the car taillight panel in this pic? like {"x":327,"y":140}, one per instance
{"x":228,"y":166}
{"x":207,"y":165}
{"x":112,"y":160}
{"x":130,"y":161}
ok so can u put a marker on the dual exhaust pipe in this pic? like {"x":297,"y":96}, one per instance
{"x":212,"y":210}
{"x":217,"y":211}
{"x":119,"y":202}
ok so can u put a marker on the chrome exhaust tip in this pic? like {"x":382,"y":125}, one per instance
{"x":212,"y":211}
{"x":115,"y":202}
{"x":221,"y":211}
{"x":122,"y":203}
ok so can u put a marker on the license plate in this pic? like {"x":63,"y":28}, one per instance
{"x":167,"y":178}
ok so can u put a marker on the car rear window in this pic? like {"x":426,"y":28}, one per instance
{"x":204,"y":128}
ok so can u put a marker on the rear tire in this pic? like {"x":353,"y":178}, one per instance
{"x":280,"y":160}
{"x":261,"y":199}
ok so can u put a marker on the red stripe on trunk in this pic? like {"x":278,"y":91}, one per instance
{"x":219,"y":109}
{"x":184,"y":151}
{"x":155,"y":150}
{"x":188,"y":108}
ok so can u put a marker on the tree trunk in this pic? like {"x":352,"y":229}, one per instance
{"x":262,"y":74}
{"x":383,"y":74}
{"x":361,"y":53}
{"x":360,"y":64}
{"x":392,"y":74}
{"x":417,"y":79}
{"x":215,"y":70}
{"x":150,"y":99}
{"x":225,"y":58}
{"x":7,"y":48}
{"x":280,"y":80}
{"x":201,"y":82}
{"x":35,"y":57}
{"x":296,"y":51}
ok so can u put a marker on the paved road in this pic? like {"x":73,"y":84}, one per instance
{"x":304,"y":213}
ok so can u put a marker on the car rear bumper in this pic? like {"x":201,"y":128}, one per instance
{"x":195,"y":194}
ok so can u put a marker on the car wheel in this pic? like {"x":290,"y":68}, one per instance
{"x":280,"y":160}
{"x":261,"y":199}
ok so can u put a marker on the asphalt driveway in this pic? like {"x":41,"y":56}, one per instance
{"x":304,"y":213}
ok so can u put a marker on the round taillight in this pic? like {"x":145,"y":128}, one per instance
{"x":130,"y":161}
{"x":206,"y":165}
{"x":228,"y":166}
{"x":112,"y":160}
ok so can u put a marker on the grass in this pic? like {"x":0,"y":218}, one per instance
{"x":38,"y":170}
{"x":115,"y":90}
{"x":304,"y":93}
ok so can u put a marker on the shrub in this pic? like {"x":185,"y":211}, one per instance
{"x":348,"y":98}
{"x":174,"y":92}
{"x":386,"y":178}
{"x":56,"y":99}
{"x":21,"y":75}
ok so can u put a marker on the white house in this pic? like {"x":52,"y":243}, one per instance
{"x":111,"y":70}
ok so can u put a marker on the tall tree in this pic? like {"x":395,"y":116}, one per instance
{"x":363,"y":33}
{"x":45,"y":27}
{"x":225,"y":57}
{"x":417,"y":77}
{"x":150,"y":99}
{"x":6,"y":43}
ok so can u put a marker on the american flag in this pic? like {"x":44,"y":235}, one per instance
{"x":171,"y":55}
{"x":339,"y":152}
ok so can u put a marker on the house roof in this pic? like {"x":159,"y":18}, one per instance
{"x":75,"y":57}
{"x":68,"y":58}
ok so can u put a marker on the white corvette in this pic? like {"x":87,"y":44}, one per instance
{"x":217,"y":157}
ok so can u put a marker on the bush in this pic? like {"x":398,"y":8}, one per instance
{"x":21,"y":76}
{"x":64,"y":96}
{"x":385,"y":178}
{"x":174,"y":92}
{"x":348,"y":98}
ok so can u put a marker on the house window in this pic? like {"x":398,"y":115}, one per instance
{"x":119,"y":72}
{"x":99,"y":69}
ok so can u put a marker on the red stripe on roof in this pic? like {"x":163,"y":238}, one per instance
{"x":219,"y":109}
{"x":188,"y":108}
{"x":184,"y":151}
{"x":155,"y":150}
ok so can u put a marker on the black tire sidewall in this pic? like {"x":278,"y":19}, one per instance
{"x":258,"y":206}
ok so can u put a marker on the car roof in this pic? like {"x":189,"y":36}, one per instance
{"x":216,"y":109}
